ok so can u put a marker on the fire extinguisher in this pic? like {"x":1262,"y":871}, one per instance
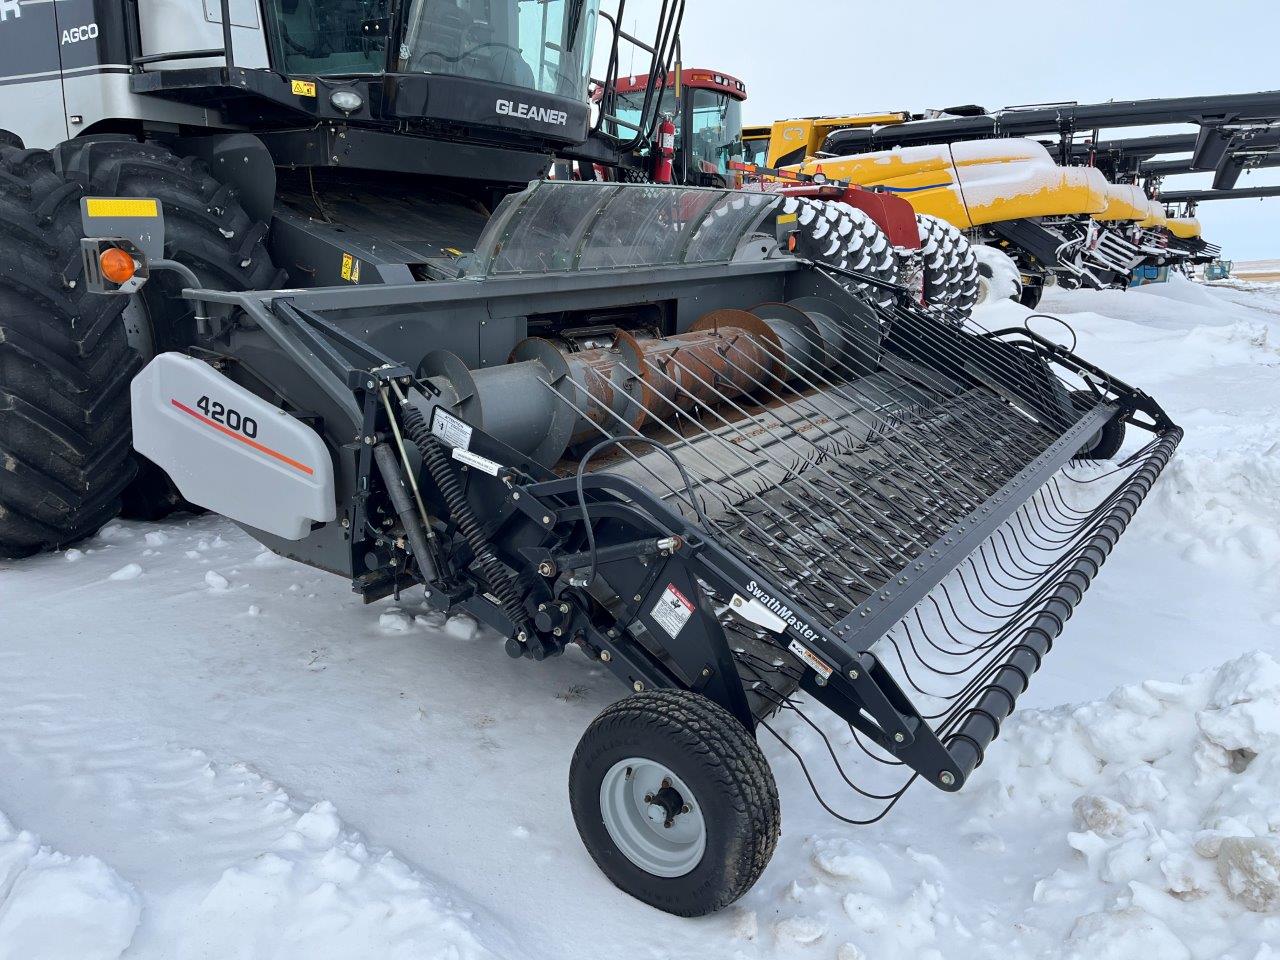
{"x":663,"y":165}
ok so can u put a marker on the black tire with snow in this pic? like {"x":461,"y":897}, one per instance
{"x":65,"y":367}
{"x":1109,"y":438}
{"x":950,"y":267}
{"x":206,"y":229}
{"x":834,"y":232}
{"x":706,"y":747}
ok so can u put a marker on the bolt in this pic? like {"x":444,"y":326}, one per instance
{"x":522,"y":636}
{"x":706,"y":671}
{"x":346,"y":523}
{"x":515,"y":496}
{"x":947,"y":778}
{"x":557,"y":632}
{"x":368,"y":441}
{"x":546,"y":519}
{"x":547,"y":569}
{"x":637,"y":598}
{"x":820,"y":680}
{"x":666,"y":782}
{"x":606,"y":656}
{"x":898,"y":738}
{"x":637,"y":686}
{"x":853,"y":674}
{"x":369,"y":385}
{"x":648,"y":798}
{"x":564,"y":608}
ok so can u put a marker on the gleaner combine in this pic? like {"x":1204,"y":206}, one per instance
{"x":300,"y":256}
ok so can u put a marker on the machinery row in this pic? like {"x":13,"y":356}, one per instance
{"x":1032,"y":194}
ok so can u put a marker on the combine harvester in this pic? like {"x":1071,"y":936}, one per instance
{"x":1028,"y":215}
{"x":1234,"y":133}
{"x":613,"y":416}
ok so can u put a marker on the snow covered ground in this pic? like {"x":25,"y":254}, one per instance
{"x":207,"y":751}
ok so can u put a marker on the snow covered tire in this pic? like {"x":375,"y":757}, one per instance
{"x":65,"y":367}
{"x":950,"y":267}
{"x":733,"y":790}
{"x":834,"y":232}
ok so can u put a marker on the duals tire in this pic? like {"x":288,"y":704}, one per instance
{"x":950,"y":267}
{"x":65,"y":367}
{"x":206,"y":229}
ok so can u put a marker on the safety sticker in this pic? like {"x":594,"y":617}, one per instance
{"x":303,"y":88}
{"x":477,"y":461}
{"x":672,"y":611}
{"x":350,"y":268}
{"x":820,"y":666}
{"x":450,"y":429}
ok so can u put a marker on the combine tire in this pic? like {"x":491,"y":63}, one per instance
{"x":674,"y":801}
{"x":836,"y":233}
{"x":998,"y":275}
{"x":206,"y":229}
{"x":950,"y":267}
{"x":65,"y":367}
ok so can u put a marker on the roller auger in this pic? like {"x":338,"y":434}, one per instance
{"x":753,"y":490}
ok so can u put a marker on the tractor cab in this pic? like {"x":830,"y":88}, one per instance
{"x":706,"y":108}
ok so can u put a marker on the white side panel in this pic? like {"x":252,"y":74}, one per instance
{"x":104,"y":96}
{"x":229,"y":450}
{"x":168,"y":27}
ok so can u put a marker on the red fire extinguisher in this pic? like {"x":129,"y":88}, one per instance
{"x":663,"y":165}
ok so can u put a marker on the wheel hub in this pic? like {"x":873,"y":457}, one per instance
{"x":652,"y":817}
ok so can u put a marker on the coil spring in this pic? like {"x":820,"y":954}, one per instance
{"x":440,"y":466}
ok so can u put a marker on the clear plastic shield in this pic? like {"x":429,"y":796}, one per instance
{"x":565,"y":226}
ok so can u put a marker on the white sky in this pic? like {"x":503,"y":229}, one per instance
{"x":806,"y":57}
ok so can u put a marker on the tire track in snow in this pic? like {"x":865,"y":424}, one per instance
{"x":241,"y":860}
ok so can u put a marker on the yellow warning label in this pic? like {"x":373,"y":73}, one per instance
{"x":121,"y":207}
{"x":350,"y":268}
{"x":303,"y":88}
{"x":787,"y":218}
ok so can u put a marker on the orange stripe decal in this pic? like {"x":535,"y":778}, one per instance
{"x":260,"y":447}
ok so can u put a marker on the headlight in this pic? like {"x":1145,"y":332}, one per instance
{"x":348,"y":101}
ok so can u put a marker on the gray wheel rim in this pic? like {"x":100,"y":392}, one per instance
{"x":637,"y":826}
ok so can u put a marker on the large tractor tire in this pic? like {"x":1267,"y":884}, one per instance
{"x":65,"y":367}
{"x":950,"y":267}
{"x":998,"y":275}
{"x":833,"y":232}
{"x":207,"y":230}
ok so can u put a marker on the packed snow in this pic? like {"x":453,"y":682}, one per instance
{"x":210,"y":751}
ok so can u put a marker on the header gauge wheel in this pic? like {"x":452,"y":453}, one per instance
{"x":674,"y":801}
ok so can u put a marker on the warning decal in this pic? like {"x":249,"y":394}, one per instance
{"x":672,"y":611}
{"x":454,"y":432}
{"x":816,"y":663}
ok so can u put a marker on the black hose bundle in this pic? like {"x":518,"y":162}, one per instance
{"x":439,"y":464}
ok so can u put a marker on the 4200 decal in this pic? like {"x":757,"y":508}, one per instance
{"x":228,"y":417}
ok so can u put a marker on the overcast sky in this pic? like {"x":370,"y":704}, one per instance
{"x":806,"y":57}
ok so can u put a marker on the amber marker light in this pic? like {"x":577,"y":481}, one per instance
{"x":117,"y":266}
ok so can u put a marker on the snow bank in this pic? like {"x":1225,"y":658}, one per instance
{"x":1175,"y":815}
{"x":53,"y":906}
{"x":319,"y":893}
{"x":1143,"y":824}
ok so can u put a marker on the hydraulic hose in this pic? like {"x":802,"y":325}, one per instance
{"x":440,"y":467}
